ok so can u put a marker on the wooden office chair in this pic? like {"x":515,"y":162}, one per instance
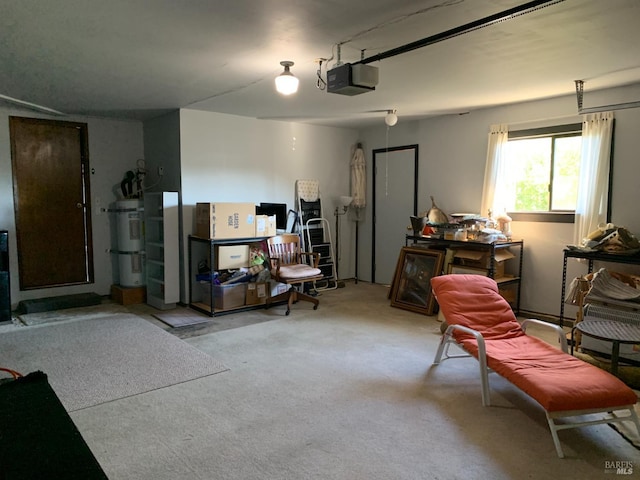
{"x":294,"y":267}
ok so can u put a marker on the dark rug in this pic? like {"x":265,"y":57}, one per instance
{"x":59,"y":303}
{"x":38,"y":438}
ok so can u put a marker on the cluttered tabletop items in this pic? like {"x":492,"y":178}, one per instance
{"x":608,"y":238}
{"x":434,"y":223}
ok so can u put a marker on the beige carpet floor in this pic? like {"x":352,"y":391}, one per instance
{"x":344,"y":392}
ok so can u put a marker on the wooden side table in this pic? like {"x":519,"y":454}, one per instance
{"x":611,"y":331}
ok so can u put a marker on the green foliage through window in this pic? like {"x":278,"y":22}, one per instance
{"x":543,"y":169}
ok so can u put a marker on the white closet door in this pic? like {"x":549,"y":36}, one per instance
{"x":395,"y":173}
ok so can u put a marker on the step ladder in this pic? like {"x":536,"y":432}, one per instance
{"x":316,"y":232}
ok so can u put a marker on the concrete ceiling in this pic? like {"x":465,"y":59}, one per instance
{"x":141,"y":58}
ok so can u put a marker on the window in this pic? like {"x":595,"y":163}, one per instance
{"x":504,"y":178}
{"x":542,"y":172}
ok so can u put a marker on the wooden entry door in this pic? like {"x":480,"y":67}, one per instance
{"x":52,"y":203}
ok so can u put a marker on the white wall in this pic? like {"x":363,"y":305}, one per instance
{"x":114,"y":147}
{"x":217,"y":157}
{"x":452,"y":162}
{"x":227,"y":158}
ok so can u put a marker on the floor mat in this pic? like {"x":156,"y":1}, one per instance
{"x":628,"y":430}
{"x":182,"y":317}
{"x":79,"y":313}
{"x":89,"y":362}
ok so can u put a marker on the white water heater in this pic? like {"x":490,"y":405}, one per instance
{"x":130,"y":242}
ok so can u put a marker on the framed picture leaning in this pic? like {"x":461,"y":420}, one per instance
{"x":411,"y":287}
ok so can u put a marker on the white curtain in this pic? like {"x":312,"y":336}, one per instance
{"x":495,"y":190}
{"x":593,"y":186}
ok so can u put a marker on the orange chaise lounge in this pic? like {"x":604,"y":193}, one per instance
{"x":482,"y":323}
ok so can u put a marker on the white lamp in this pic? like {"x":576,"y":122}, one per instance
{"x":286,"y":82}
{"x":391,"y":119}
{"x":345,"y":201}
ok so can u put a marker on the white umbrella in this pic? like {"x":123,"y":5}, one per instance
{"x":358,"y":178}
{"x":358,"y":191}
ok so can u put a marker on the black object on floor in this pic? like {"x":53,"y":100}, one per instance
{"x":38,"y":439}
{"x":48,"y":304}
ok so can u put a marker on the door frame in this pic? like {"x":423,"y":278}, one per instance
{"x":386,"y":150}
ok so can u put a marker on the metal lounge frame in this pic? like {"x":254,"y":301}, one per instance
{"x":443,"y":353}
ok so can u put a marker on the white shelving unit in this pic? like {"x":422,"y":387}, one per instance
{"x":161,"y":246}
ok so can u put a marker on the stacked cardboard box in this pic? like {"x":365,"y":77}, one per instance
{"x":257,"y":293}
{"x":225,"y":297}
{"x":265,"y":225}
{"x":225,"y":220}
{"x":232,"y":257}
{"x":481,"y":259}
{"x":128,"y":295}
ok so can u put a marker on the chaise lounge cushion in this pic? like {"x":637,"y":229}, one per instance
{"x":553,"y":378}
{"x":556,"y":380}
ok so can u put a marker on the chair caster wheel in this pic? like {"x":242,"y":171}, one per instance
{"x":287,"y":312}
{"x":315,"y":307}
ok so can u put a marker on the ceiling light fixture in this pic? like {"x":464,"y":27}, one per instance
{"x":286,"y":82}
{"x":391,"y":118}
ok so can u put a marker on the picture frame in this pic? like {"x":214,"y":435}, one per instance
{"x":411,"y":286}
{"x":466,"y":270}
{"x":292,"y":222}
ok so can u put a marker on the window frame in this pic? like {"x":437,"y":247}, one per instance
{"x":557,"y":131}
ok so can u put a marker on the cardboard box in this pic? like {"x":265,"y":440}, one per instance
{"x":509,"y":293}
{"x":276,"y":288}
{"x":257,"y":293}
{"x":225,"y":297}
{"x":231,"y":257}
{"x":225,"y":220}
{"x":480,"y":259}
{"x":128,"y":295}
{"x":265,"y":225}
